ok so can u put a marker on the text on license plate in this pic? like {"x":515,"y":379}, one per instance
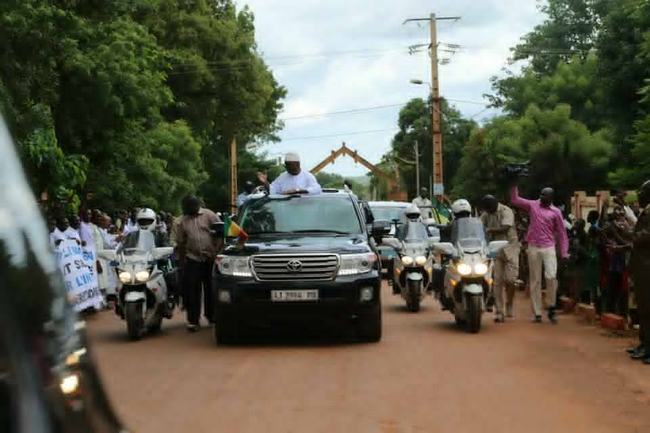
{"x":294,"y":295}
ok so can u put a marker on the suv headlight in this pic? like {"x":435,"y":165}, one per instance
{"x":234,"y":266}
{"x":353,"y":264}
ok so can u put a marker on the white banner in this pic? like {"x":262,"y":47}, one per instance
{"x":77,"y":266}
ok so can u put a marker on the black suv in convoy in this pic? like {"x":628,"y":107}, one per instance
{"x":308,"y":258}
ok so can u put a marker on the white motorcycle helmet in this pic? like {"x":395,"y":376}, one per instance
{"x":412,"y":212}
{"x":461,"y":208}
{"x":146,"y":219}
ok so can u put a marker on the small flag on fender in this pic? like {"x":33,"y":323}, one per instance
{"x":232,"y":230}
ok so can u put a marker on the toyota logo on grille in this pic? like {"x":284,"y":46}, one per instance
{"x":294,"y":266}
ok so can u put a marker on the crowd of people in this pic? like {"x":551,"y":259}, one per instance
{"x":96,"y":230}
{"x":602,"y":261}
{"x":191,"y":235}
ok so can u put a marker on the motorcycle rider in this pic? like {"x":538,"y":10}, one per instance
{"x":411,"y":213}
{"x":459,"y":209}
{"x":146,"y":220}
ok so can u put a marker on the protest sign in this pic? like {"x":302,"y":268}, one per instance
{"x":77,"y":265}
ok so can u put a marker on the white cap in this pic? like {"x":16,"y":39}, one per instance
{"x":291,"y":157}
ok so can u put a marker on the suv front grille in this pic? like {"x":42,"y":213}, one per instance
{"x":295,"y":267}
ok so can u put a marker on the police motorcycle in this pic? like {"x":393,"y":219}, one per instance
{"x":142,"y":292}
{"x":468,"y":269}
{"x":413,"y":266}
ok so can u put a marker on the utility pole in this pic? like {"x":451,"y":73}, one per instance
{"x":438,"y":186}
{"x":233,"y":175}
{"x":417,"y":167}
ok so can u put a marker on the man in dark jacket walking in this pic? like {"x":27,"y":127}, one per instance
{"x":639,"y":265}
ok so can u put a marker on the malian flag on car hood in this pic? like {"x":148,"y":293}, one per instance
{"x":232,"y":230}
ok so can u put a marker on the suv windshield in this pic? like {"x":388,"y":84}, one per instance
{"x":388,"y":213}
{"x":303,"y":214}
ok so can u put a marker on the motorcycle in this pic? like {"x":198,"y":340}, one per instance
{"x":142,"y":298}
{"x":468,"y":271}
{"x":413,"y":265}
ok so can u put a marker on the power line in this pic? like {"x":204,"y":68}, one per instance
{"x":461,"y":101}
{"x":341,"y":134}
{"x":299,"y":58}
{"x":376,"y":107}
{"x":350,"y":111}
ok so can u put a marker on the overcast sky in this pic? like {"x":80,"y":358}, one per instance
{"x":339,"y":55}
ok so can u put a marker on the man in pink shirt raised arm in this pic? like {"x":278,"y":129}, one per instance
{"x":546,"y":225}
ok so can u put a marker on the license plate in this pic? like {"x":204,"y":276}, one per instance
{"x":294,"y":295}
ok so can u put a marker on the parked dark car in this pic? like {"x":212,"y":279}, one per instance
{"x":308,"y":258}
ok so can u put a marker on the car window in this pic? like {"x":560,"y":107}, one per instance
{"x":387,"y":213}
{"x":301,"y":214}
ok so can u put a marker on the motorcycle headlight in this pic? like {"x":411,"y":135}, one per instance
{"x":480,"y":269}
{"x":464,"y":269}
{"x":234,"y":266}
{"x":142,"y":276}
{"x":407,"y":261}
{"x":420,"y":260}
{"x":125,"y":276}
{"x":353,"y":264}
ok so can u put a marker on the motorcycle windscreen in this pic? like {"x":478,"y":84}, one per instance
{"x":138,"y":243}
{"x":468,"y":233}
{"x":413,"y":232}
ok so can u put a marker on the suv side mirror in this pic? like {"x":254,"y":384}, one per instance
{"x":380,"y":228}
{"x":216,"y":230}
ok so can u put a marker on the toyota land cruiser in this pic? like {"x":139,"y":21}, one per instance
{"x":307,"y":258}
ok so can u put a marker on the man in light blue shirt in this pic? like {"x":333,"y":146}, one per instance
{"x":292,"y":181}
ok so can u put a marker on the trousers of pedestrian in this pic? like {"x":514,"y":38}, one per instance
{"x":539,"y":258}
{"x":197,"y":278}
{"x":642,"y":294}
{"x":505,"y":273}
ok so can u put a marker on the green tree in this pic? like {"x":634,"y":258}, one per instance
{"x":564,"y":154}
{"x":571,"y":29}
{"x":575,"y":83}
{"x":415,"y":125}
{"x":124,"y":86}
{"x":624,"y":65}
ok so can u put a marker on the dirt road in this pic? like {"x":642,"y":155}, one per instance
{"x":424,"y":376}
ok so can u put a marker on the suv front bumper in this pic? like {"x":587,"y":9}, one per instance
{"x":250,"y":300}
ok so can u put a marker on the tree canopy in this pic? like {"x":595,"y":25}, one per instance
{"x":135,"y":102}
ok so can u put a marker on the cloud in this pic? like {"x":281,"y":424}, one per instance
{"x":349,"y":54}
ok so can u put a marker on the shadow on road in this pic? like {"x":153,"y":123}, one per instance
{"x":121,"y":336}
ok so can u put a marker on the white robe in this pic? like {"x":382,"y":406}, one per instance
{"x":303,"y":180}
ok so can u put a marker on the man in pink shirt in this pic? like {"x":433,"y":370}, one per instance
{"x":546,"y":227}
